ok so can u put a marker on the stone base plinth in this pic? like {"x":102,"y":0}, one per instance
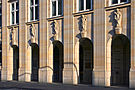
{"x":70,"y":76}
{"x":45,"y":75}
{"x":24,"y":76}
{"x":132,"y":78}
{"x":5,"y":75}
{"x":98,"y":78}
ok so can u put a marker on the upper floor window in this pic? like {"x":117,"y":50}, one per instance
{"x":34,"y":10}
{"x":14,"y":12}
{"x":0,"y":15}
{"x":118,"y":1}
{"x":84,"y":5}
{"x":56,"y":7}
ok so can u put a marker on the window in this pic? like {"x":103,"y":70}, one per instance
{"x":118,"y":1}
{"x":0,"y":15}
{"x":84,"y":5}
{"x":14,"y":12}
{"x":34,"y":10}
{"x":56,"y":7}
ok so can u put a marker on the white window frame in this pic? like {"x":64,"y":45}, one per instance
{"x":84,"y":6}
{"x":15,"y":10}
{"x":34,"y":14}
{"x":57,"y":9}
{"x":110,"y":3}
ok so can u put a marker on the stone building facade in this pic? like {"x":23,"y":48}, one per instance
{"x":69,"y":41}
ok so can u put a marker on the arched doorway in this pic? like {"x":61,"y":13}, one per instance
{"x":35,"y":62}
{"x":85,"y":61}
{"x":120,"y":60}
{"x":15,"y":62}
{"x":57,"y":61}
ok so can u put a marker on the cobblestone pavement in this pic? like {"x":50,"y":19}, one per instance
{"x":55,"y":86}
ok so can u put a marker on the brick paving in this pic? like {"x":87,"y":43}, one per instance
{"x":8,"y":85}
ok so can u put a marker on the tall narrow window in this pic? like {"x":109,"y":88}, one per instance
{"x":118,"y":1}
{"x":0,"y":15}
{"x":34,"y":10}
{"x":85,"y":5}
{"x":56,"y":7}
{"x":15,"y":12}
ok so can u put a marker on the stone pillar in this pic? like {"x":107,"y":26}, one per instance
{"x":69,"y":72}
{"x":132,"y":68}
{"x":7,"y":51}
{"x":24,"y":52}
{"x":43,"y":70}
{"x":99,"y":43}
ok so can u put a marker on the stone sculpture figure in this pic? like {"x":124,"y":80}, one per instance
{"x":118,"y":17}
{"x":12,"y":36}
{"x":32,"y":31}
{"x":117,"y":21}
{"x":53,"y":28}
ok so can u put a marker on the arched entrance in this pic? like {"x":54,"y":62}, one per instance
{"x":35,"y":62}
{"x":85,"y":61}
{"x":120,"y":60}
{"x":15,"y":62}
{"x":57,"y":61}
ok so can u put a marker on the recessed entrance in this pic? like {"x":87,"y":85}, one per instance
{"x":120,"y":60}
{"x":35,"y":62}
{"x":85,"y":61}
{"x":57,"y":61}
{"x":15,"y":62}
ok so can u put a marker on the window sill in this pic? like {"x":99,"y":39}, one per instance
{"x":55,"y":18}
{"x":118,"y":6}
{"x":13,"y":26}
{"x":32,"y":22}
{"x":83,"y":12}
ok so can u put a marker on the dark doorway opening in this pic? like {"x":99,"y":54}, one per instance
{"x":120,"y":60}
{"x":15,"y":62}
{"x":85,"y":61}
{"x":57,"y":61}
{"x":35,"y":62}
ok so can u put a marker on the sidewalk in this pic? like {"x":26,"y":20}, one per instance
{"x":13,"y":85}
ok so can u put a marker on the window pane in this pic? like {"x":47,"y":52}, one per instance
{"x":12,"y":6}
{"x":114,"y":1}
{"x":36,"y":1}
{"x":31,"y":2}
{"x":88,"y":4}
{"x":36,"y":12}
{"x":12,"y":17}
{"x":54,"y":8}
{"x":17,"y":17}
{"x":59,"y":7}
{"x":81,"y":5}
{"x":17,"y":5}
{"x":123,"y":1}
{"x":31,"y":13}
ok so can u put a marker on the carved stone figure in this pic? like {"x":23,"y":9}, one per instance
{"x":82,"y":25}
{"x":32,"y":31}
{"x":118,"y":17}
{"x":118,"y":21}
{"x":53,"y":28}
{"x":13,"y":36}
